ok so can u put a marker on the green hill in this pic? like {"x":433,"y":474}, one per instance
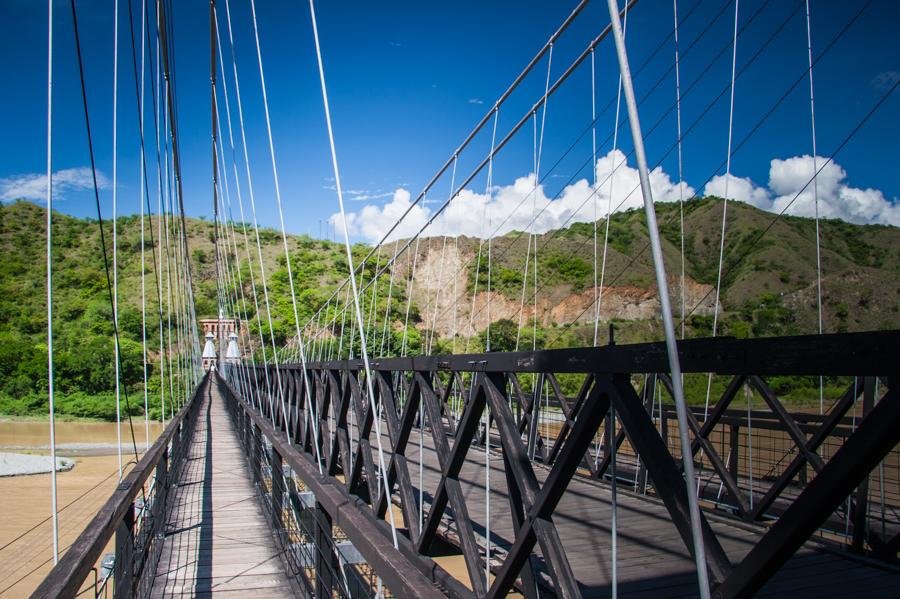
{"x":769,"y":288}
{"x":769,"y":279}
{"x":83,"y":329}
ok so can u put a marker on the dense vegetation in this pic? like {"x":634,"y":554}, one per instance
{"x":83,"y":324}
{"x":769,"y":274}
{"x":768,"y":289}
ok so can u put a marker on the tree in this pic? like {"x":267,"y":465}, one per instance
{"x":503,"y":335}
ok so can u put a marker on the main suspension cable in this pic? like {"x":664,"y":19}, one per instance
{"x":665,"y":307}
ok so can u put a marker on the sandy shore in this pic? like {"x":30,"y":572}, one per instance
{"x":19,"y":464}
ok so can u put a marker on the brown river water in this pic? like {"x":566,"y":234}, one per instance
{"x":25,"y":529}
{"x":76,"y":438}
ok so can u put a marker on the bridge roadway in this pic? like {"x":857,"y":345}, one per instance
{"x":218,"y":541}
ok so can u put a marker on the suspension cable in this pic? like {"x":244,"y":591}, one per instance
{"x":287,"y":256}
{"x":487,"y":205}
{"x":594,"y":185}
{"x":812,"y":119}
{"x":611,"y":177}
{"x":716,"y":305}
{"x":237,"y":278}
{"x":142,"y":199}
{"x":237,"y":185}
{"x":614,"y":506}
{"x":665,"y":307}
{"x":359,"y":319}
{"x":437,"y":291}
{"x":262,"y":268}
{"x":96,"y":186}
{"x":528,"y":239}
{"x":409,"y":290}
{"x":115,"y":203}
{"x":680,"y":161}
{"x":50,"y":396}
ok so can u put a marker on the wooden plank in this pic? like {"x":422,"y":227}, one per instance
{"x":217,"y":538}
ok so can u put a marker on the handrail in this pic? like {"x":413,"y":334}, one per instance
{"x":860,"y":354}
{"x":68,"y":576}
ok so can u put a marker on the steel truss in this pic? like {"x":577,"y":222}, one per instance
{"x":493,"y":382}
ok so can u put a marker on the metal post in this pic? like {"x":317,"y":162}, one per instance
{"x":124,"y":568}
{"x":665,"y":306}
{"x":535,"y":414}
{"x":861,"y":512}
{"x":733,"y":456}
{"x":245,"y":428}
{"x":275,"y":464}
{"x":324,"y":540}
{"x":162,"y":492}
{"x":664,"y":425}
{"x":255,"y":442}
{"x":649,"y":397}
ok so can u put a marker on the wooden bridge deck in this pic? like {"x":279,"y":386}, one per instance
{"x":653,"y":561}
{"x":217,"y":539}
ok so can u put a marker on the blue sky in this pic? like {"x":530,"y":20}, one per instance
{"x":408,"y":80}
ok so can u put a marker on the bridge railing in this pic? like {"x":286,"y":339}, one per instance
{"x":133,"y":519}
{"x":752,"y":461}
{"x":333,"y":546}
{"x":448,"y":397}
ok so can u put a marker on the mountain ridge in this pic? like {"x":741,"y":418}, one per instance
{"x":769,"y":286}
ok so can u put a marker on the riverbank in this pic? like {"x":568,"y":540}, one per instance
{"x":22,"y":464}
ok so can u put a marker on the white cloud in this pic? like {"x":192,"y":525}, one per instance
{"x":790,"y":189}
{"x":518,"y":206}
{"x":33,"y":186}
{"x":741,"y":189}
{"x":372,"y":222}
{"x":475,"y":101}
{"x":885,"y":79}
{"x":521,"y":206}
{"x":836,"y":198}
{"x":362,"y":195}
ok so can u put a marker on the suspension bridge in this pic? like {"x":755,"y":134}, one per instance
{"x":347,"y":459}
